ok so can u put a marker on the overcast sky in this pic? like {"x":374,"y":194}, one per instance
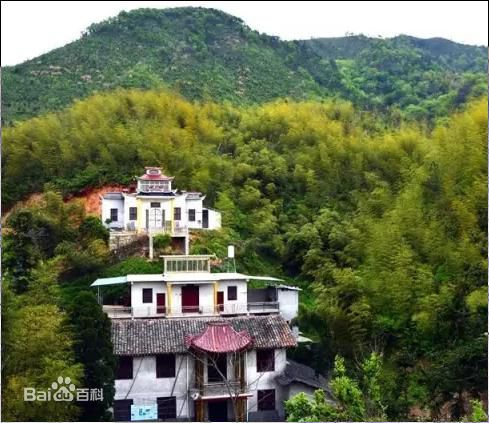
{"x":33,"y":28}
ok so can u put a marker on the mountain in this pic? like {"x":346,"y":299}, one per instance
{"x":207,"y":54}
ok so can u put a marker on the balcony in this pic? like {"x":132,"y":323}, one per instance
{"x":170,"y":228}
{"x":127,"y":312}
{"x":211,"y":390}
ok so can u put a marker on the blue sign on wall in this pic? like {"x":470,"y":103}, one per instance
{"x":140,"y":412}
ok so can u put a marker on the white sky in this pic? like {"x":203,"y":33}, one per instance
{"x":30,"y":29}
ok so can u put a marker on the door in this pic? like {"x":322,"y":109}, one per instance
{"x":190,"y":299}
{"x":218,"y":411}
{"x":160,"y":303}
{"x":205,"y":218}
{"x":155,"y":218}
{"x":220,"y":301}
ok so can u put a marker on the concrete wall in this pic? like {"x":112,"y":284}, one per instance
{"x":145,"y":204}
{"x":147,"y":387}
{"x":289,"y":303}
{"x":141,"y":309}
{"x":240,"y":304}
{"x":214,"y":219}
{"x":265,"y":380}
{"x":108,"y":204}
{"x":197,"y":205}
{"x":206,"y":298}
{"x":296,"y":388}
{"x":180,"y":202}
{"x":129,"y":201}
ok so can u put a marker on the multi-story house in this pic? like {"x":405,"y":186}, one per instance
{"x":156,"y":207}
{"x":203,"y":346}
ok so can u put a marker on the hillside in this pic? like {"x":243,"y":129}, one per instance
{"x":206,"y":54}
{"x":382,"y":225}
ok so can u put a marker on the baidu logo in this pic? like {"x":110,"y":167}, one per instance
{"x":63,"y":390}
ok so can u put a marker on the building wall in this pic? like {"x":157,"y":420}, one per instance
{"x":129,"y":201}
{"x":296,"y":388}
{"x":197,"y":205}
{"x":266,"y":380}
{"x":145,"y":204}
{"x":240,"y":304}
{"x":108,"y":204}
{"x":289,"y":303}
{"x":214,"y":219}
{"x":179,"y":201}
{"x":141,"y":309}
{"x":206,"y":298}
{"x":145,"y":387}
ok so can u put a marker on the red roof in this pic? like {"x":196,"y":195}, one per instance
{"x":154,"y":174}
{"x":219,"y":337}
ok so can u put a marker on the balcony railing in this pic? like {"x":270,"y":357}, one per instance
{"x":212,"y":389}
{"x":125,"y":312}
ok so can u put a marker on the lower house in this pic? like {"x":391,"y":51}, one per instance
{"x":203,"y":369}
{"x":297,"y":378}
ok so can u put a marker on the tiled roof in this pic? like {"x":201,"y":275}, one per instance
{"x":156,"y":336}
{"x":296,"y":372}
{"x":113,"y":196}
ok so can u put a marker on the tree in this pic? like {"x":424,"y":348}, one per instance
{"x":351,"y":402}
{"x":39,"y":351}
{"x":93,"y":349}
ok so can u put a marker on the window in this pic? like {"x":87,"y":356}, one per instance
{"x":133,"y":213}
{"x":124,"y":369}
{"x":147,"y":295}
{"x":266,"y":399}
{"x":177,"y":213}
{"x":265,"y":360}
{"x":122,"y":410}
{"x":113,"y":215}
{"x":167,"y":408}
{"x":216,"y":367}
{"x":165,"y":365}
{"x":232,"y":293}
{"x":191,"y":215}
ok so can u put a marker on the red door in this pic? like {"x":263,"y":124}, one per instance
{"x":190,"y":299}
{"x":220,"y":301}
{"x":160,"y":303}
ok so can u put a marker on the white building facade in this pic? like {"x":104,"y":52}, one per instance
{"x":201,"y":346}
{"x":156,"y":207}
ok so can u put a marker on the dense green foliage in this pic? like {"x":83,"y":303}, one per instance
{"x":207,"y":54}
{"x":383,"y":225}
{"x":46,"y":334}
{"x":353,"y":400}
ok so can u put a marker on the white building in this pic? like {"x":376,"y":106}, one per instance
{"x":201,"y":346}
{"x":156,"y":207}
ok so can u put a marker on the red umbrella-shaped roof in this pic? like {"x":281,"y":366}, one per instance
{"x":219,"y":337}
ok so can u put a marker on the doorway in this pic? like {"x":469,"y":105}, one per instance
{"x":220,"y":301}
{"x":190,"y":299}
{"x":205,"y":218}
{"x":160,"y":303}
{"x":218,"y":411}
{"x":156,"y":218}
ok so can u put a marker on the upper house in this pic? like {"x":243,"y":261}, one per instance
{"x":157,"y":207}
{"x":187,"y":288}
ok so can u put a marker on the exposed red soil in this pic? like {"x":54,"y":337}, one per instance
{"x":91,"y":197}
